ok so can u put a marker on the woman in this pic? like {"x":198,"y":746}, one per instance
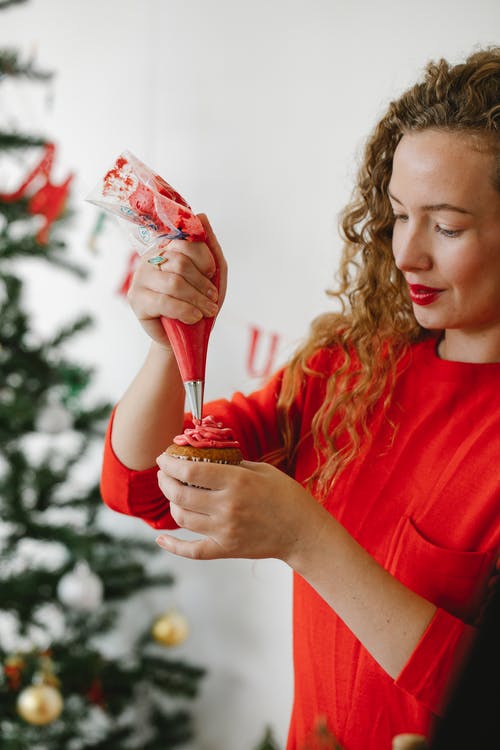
{"x":372,"y":457}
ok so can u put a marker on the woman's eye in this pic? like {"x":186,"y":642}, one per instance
{"x":400,"y":217}
{"x":448,"y":232}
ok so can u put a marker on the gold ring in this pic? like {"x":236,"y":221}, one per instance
{"x":157,"y":260}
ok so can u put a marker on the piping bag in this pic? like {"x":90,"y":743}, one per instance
{"x":153,"y":213}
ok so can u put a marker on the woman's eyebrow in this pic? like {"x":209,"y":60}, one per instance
{"x":435,"y":206}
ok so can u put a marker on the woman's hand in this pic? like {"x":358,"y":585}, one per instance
{"x":252,"y":510}
{"x":181,"y":288}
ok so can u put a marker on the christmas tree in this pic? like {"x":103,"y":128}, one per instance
{"x":62,"y":576}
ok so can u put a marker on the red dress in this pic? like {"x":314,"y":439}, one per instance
{"x":426,"y":506}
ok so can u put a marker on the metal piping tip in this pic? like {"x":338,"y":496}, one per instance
{"x":194,"y":393}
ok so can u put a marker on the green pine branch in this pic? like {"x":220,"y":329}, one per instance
{"x":170,"y":730}
{"x":69,"y":330}
{"x":54,"y":252}
{"x":7,"y":3}
{"x":14,"y":210}
{"x":23,"y":593}
{"x":11,"y":65}
{"x":40,"y":483}
{"x":172,"y":676}
{"x":93,"y":420}
{"x":13,"y":140}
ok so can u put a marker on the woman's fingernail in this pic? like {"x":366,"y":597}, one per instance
{"x":212,"y":293}
{"x":161,"y":541}
{"x":211,"y":308}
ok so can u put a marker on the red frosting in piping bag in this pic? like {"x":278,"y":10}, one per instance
{"x":207,"y":433}
{"x":190,"y":342}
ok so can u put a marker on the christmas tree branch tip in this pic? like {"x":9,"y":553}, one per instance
{"x":13,"y":140}
{"x":10,"y":65}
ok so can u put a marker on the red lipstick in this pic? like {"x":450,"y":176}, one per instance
{"x":423,"y":295}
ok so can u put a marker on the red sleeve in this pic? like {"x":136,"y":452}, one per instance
{"x":136,"y":493}
{"x":437,"y":659}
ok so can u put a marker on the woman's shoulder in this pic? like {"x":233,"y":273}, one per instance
{"x":327,"y":358}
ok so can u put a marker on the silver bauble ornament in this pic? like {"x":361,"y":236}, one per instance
{"x":54,"y":418}
{"x":81,"y":589}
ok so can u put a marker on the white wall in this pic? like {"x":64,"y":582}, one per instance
{"x":257,"y":112}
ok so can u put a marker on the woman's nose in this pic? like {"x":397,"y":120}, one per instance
{"x":411,"y":248}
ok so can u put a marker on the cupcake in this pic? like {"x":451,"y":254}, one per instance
{"x":208,"y":440}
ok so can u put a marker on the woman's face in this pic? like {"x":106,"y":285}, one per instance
{"x":446,"y":240}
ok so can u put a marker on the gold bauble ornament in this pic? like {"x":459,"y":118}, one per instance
{"x":409,"y":742}
{"x":40,"y":704}
{"x":170,"y":629}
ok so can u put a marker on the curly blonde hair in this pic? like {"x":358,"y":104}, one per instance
{"x":376,"y":324}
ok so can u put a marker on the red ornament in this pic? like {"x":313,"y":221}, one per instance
{"x":41,"y":171}
{"x":49,"y":202}
{"x":95,"y":693}
{"x":45,"y":198}
{"x":13,"y":668}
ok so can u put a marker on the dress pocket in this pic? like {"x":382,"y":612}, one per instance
{"x":452,"y":579}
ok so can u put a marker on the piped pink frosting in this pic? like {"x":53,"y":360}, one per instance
{"x":207,"y":433}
